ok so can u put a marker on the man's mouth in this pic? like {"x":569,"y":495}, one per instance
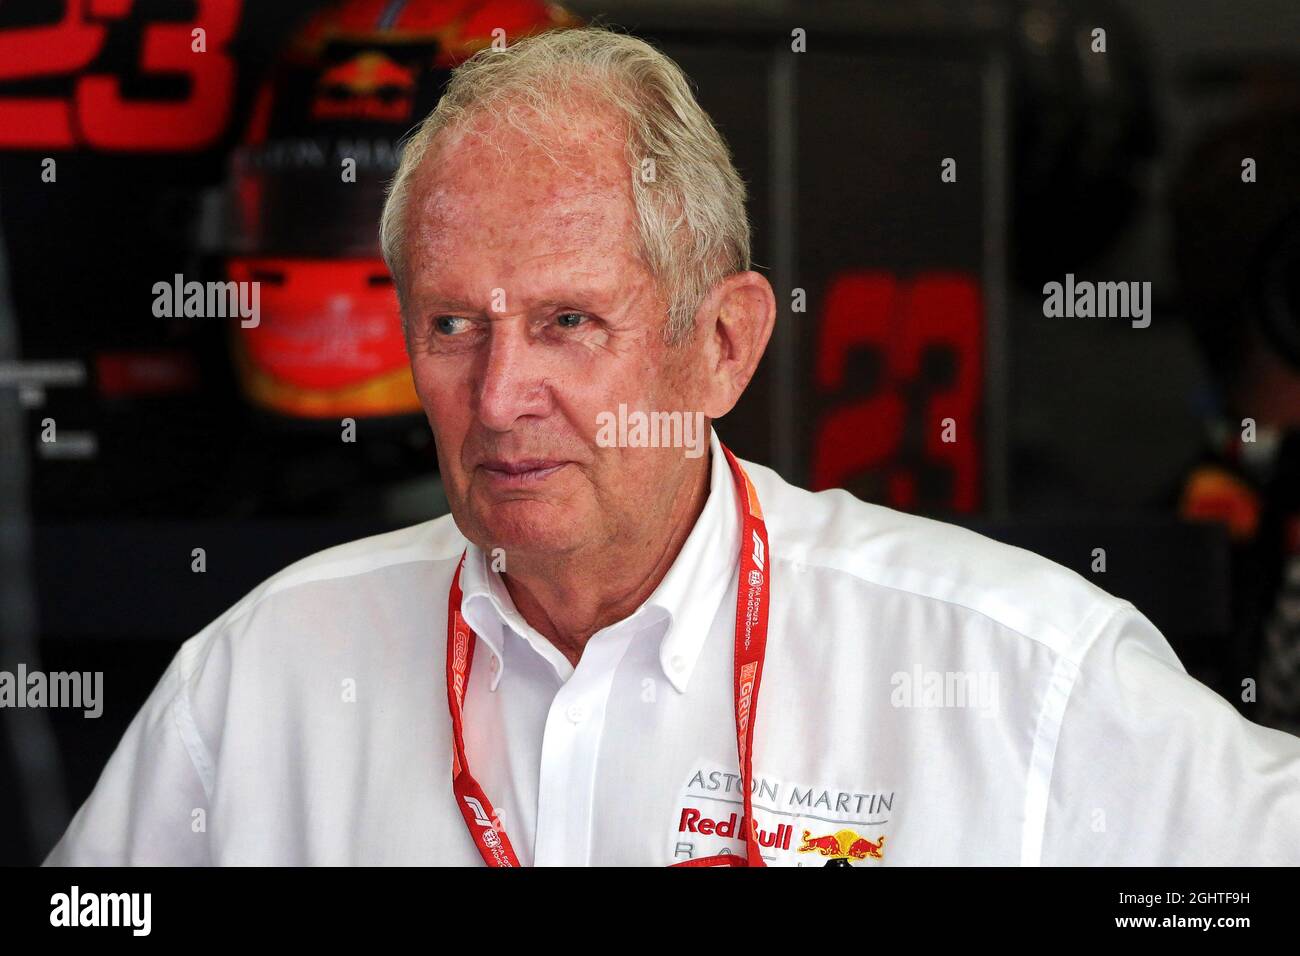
{"x":521,"y":471}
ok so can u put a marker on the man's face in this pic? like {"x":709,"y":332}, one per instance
{"x":529,"y":316}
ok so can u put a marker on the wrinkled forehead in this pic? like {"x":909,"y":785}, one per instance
{"x":488,"y":204}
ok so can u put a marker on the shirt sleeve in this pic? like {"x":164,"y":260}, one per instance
{"x":150,"y":805}
{"x":1153,"y":768}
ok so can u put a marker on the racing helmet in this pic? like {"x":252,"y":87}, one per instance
{"x":307,"y":186}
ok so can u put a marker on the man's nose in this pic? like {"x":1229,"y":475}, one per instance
{"x":511,"y":381}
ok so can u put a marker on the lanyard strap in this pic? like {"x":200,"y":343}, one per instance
{"x":752,"y":598}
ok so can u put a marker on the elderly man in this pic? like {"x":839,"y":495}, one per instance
{"x":617,"y":650}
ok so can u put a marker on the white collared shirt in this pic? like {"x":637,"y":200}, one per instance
{"x":929,"y":697}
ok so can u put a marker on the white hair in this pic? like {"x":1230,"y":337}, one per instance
{"x":692,"y":228}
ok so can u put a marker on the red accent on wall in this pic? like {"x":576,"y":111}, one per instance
{"x":900,"y":321}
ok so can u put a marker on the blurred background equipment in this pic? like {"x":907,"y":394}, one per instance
{"x":1084,"y":124}
{"x":1237,"y":254}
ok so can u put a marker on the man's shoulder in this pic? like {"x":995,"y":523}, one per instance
{"x":374,"y":558}
{"x":933,"y":561}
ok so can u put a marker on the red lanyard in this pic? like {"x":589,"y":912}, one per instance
{"x":752,"y":596}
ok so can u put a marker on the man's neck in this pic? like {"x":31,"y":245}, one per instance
{"x":570,"y":600}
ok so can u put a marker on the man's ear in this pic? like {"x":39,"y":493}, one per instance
{"x":732,"y":328}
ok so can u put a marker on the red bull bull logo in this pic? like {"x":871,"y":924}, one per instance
{"x":843,"y":845}
{"x":368,"y":86}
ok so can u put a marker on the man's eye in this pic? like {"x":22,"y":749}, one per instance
{"x":570,"y":320}
{"x":449,"y":324}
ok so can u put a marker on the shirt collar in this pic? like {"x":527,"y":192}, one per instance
{"x":687,"y":598}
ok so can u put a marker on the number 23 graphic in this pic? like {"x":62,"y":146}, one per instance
{"x":97,"y":114}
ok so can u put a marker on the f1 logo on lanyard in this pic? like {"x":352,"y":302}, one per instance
{"x":752,"y":599}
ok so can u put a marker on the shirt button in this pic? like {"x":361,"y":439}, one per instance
{"x":494,"y":664}
{"x":678,"y":663}
{"x":576,"y":713}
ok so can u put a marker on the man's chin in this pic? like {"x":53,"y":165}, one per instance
{"x":528,"y":526}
